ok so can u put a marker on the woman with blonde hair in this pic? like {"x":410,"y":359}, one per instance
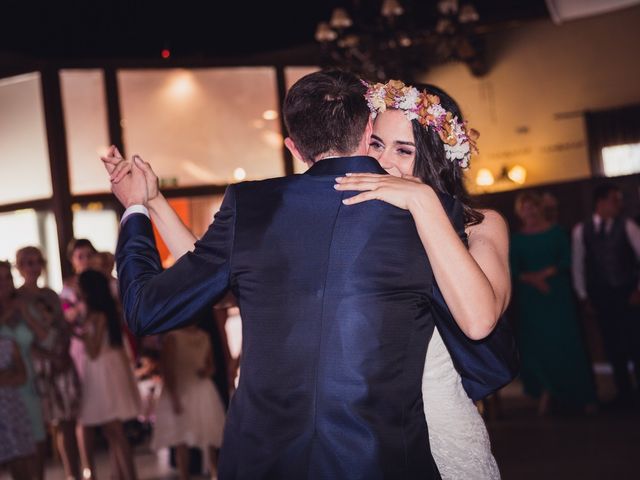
{"x":554,"y":361}
{"x":56,"y":377}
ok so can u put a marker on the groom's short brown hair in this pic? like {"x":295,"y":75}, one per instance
{"x":326,"y":112}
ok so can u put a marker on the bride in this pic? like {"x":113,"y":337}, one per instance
{"x":425,"y":159}
{"x":420,"y":139}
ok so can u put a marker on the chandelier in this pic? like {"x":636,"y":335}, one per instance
{"x":387,"y":39}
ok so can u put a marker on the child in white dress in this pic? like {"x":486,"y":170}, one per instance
{"x":109,"y":393}
{"x":190,"y":411}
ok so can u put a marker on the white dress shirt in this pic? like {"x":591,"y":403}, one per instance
{"x":134,"y":209}
{"x":578,"y":253}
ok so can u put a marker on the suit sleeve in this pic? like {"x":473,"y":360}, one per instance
{"x":154,"y":300}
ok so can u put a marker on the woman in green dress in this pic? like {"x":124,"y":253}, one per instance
{"x":554,"y":360}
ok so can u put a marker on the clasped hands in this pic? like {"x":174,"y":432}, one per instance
{"x":538,"y":279}
{"x":133,"y":182}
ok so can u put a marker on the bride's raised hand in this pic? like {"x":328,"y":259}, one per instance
{"x":402,"y":192}
{"x":118,"y":168}
{"x":153,"y":184}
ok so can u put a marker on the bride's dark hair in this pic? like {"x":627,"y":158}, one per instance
{"x":431,"y":164}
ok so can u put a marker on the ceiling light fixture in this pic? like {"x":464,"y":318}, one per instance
{"x":401,"y":39}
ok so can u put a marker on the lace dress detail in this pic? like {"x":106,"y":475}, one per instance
{"x":457,"y":434}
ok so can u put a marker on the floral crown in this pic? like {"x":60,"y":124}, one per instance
{"x":459,"y":141}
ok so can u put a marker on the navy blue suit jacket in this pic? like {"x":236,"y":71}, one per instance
{"x":336,"y":311}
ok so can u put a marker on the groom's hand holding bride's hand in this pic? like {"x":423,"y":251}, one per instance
{"x":133,"y":182}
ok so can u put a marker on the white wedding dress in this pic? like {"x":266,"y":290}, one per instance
{"x":457,"y":434}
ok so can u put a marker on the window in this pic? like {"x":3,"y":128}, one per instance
{"x":98,"y":224}
{"x":32,"y":228}
{"x":23,"y":140}
{"x":205,"y":126}
{"x":85,"y":119}
{"x":614,"y":133}
{"x":196,"y":213}
{"x":621,"y":159}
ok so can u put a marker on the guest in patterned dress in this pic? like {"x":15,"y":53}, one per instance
{"x":56,"y":377}
{"x":17,"y":324}
{"x":15,"y":435}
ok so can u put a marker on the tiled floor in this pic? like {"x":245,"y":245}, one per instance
{"x":568,"y":446}
{"x":150,"y":466}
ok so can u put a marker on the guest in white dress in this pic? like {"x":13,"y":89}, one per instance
{"x":109,"y":395}
{"x":190,"y":411}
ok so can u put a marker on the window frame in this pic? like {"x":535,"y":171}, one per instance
{"x":61,"y":201}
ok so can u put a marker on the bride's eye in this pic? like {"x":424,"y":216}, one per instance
{"x":405,"y":151}
{"x":376,"y":145}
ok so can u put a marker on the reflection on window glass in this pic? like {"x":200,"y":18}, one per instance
{"x":291,"y":76}
{"x":98,"y":224}
{"x":33,"y":228}
{"x":85,"y":119}
{"x":621,"y":159}
{"x":23,"y":140}
{"x":208,"y":126}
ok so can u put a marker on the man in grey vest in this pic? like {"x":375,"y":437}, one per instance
{"x":606,"y":253}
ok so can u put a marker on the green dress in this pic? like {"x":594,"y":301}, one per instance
{"x":553,"y":355}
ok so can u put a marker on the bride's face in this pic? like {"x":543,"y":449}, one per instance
{"x":393,"y":144}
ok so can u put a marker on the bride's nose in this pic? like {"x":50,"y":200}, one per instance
{"x":386,"y":162}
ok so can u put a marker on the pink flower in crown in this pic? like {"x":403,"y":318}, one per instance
{"x":376,"y":96}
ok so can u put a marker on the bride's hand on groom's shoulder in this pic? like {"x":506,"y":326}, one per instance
{"x":402,"y":192}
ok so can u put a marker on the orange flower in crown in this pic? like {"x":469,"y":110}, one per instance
{"x":459,"y":142}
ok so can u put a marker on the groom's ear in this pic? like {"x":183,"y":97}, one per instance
{"x":291,"y":146}
{"x":365,"y":140}
{"x":368,"y":131}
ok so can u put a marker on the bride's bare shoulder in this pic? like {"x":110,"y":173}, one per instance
{"x":493,"y":224}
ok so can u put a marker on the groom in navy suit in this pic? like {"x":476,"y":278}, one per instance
{"x":334,"y":303}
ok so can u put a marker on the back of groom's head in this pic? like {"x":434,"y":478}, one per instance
{"x":326,"y":114}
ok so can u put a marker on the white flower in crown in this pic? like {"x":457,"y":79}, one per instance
{"x":460,"y":151}
{"x":410,"y":100}
{"x":411,"y":115}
